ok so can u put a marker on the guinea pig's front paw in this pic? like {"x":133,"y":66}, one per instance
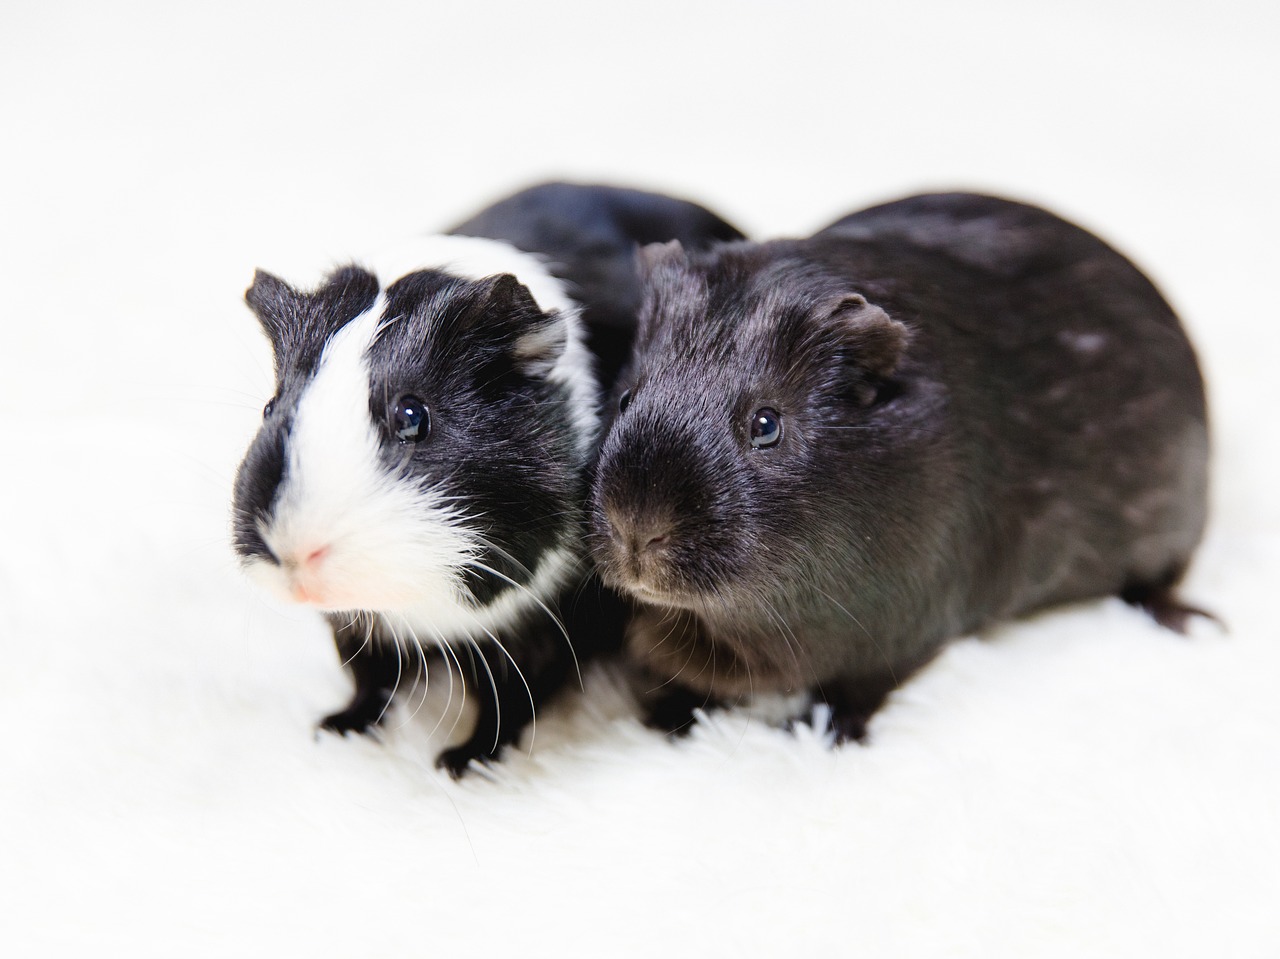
{"x":672,"y":711}
{"x":849,"y":726}
{"x":457,"y":761}
{"x":356,"y":719}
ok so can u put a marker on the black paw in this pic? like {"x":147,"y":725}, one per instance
{"x":355,"y":720}
{"x":457,"y":761}
{"x":672,"y":712}
{"x":1165,"y":608}
{"x":849,"y":727}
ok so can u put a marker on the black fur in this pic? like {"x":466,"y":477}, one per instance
{"x":501,"y":441}
{"x":985,"y":409}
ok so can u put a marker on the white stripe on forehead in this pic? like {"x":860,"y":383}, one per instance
{"x":472,"y":258}
{"x":475,"y":258}
{"x":333,"y":422}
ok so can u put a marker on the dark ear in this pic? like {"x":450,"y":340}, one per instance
{"x":651,"y":257}
{"x":273,"y":301}
{"x":538,"y":339}
{"x":873,"y":340}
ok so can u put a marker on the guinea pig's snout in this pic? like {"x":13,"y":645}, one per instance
{"x":633,"y":548}
{"x":655,"y":518}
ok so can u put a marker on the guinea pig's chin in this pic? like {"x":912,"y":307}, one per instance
{"x":655,"y":594}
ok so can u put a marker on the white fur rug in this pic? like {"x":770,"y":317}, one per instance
{"x":1080,"y":784}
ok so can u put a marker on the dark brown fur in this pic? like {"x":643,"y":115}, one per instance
{"x":985,"y":411}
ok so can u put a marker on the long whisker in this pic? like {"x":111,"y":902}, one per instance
{"x":541,"y":605}
{"x":447,"y":650}
{"x":879,"y":649}
{"x":399,"y":671}
{"x":368,"y":637}
{"x":422,"y":659}
{"x":497,"y":699}
{"x":674,"y":618}
{"x":533,"y":706}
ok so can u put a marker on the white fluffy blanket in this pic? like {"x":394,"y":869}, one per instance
{"x":1078,"y":784}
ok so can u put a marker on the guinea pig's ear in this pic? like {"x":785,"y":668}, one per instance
{"x":873,"y":340}
{"x":538,"y":338}
{"x":653,"y":256}
{"x":273,"y":301}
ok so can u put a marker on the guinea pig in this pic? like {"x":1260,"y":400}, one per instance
{"x":421,"y":470}
{"x":835,"y":453}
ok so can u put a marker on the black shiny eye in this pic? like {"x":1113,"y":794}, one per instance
{"x":269,"y":408}
{"x":410,"y":420}
{"x":624,"y":401}
{"x":766,"y":428}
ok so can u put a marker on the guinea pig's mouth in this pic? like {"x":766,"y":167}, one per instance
{"x":644,"y":581}
{"x":650,"y":594}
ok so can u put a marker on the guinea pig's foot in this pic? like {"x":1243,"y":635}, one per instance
{"x":672,"y":711}
{"x":1165,"y":608}
{"x":845,"y":727}
{"x":849,"y":727}
{"x":854,"y":701}
{"x":457,"y":760}
{"x":363,"y":716}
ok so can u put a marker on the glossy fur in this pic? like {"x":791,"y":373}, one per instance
{"x":985,"y":411}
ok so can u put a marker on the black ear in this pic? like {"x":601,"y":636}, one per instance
{"x":653,"y":256}
{"x":872,"y":339}
{"x":537,"y":339}
{"x":505,"y":294}
{"x":273,"y":301}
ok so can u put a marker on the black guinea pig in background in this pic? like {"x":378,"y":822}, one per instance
{"x":836,"y":453}
{"x":421,"y":471}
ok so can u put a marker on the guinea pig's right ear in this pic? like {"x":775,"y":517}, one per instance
{"x":873,"y":340}
{"x":273,"y":301}
{"x":536,"y":339}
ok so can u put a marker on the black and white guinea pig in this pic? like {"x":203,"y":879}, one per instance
{"x":836,"y":453}
{"x":421,"y":470}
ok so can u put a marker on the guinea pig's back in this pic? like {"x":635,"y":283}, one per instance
{"x":1075,"y":392}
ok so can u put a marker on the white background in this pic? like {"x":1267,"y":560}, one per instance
{"x":1077,"y":784}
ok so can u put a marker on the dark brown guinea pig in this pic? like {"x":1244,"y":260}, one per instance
{"x":834,"y":454}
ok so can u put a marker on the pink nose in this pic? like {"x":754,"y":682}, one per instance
{"x":305,"y":578}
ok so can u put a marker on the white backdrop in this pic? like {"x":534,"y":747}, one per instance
{"x":1078,"y":784}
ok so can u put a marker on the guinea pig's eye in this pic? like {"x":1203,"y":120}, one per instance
{"x":269,"y":408}
{"x":624,"y":401}
{"x":766,"y":428}
{"x":410,"y":420}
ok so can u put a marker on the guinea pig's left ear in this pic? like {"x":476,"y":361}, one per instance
{"x":874,"y":340}
{"x":538,"y":339}
{"x":273,"y":301}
